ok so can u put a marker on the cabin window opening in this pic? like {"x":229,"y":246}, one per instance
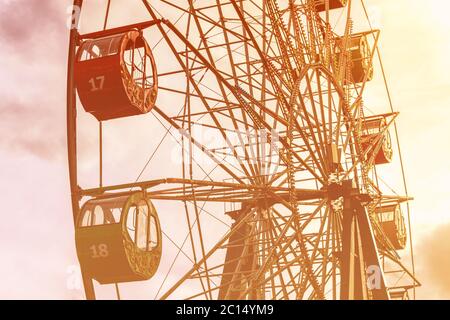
{"x":99,"y":48}
{"x":387,"y":216}
{"x":102,"y":212}
{"x":137,"y":224}
{"x":373,"y":127}
{"x":98,"y":218}
{"x":131,"y":222}
{"x":153,"y":234}
{"x":87,"y":218}
{"x":142,"y":226}
{"x":135,"y":59}
{"x":116,"y":214}
{"x":138,"y":65}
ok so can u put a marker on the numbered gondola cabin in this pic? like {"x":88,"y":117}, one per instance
{"x":116,"y":76}
{"x":118,"y":238}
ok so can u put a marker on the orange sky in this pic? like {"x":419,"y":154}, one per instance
{"x":36,"y":233}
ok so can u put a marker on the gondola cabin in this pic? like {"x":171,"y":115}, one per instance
{"x":393,"y":224}
{"x":376,"y":140}
{"x":360,"y":54}
{"x":118,"y":239}
{"x":116,"y":76}
{"x":333,"y":4}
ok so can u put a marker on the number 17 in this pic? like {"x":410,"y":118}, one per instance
{"x":101,"y":82}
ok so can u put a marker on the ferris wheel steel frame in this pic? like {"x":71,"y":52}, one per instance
{"x":272,"y":256}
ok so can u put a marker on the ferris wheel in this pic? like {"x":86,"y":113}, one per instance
{"x":269,"y":176}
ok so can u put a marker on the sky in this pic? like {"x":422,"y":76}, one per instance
{"x":36,"y":232}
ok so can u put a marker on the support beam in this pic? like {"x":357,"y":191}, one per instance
{"x":362,"y":275}
{"x":235,"y":270}
{"x":71,"y":134}
{"x":88,"y":284}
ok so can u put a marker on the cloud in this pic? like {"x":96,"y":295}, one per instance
{"x":27,"y":21}
{"x":434,"y":263}
{"x":36,"y":238}
{"x":23,"y":126}
{"x":33,"y":54}
{"x":28,"y":127}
